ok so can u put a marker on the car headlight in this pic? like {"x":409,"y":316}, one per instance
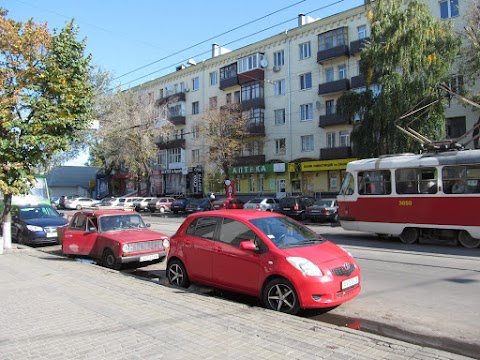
{"x":126,"y":248}
{"x":305,"y":266}
{"x":166,"y":243}
{"x":34,"y":228}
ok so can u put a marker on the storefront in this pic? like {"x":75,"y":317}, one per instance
{"x":260,"y":179}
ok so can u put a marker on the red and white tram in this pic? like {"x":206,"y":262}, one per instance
{"x":432,"y":196}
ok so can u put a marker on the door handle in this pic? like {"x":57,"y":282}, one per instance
{"x":68,"y":236}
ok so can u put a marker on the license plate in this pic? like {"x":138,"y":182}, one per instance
{"x":286,"y":208}
{"x":349,"y":282}
{"x":149,"y":257}
{"x":52,"y":234}
{"x":315,"y":211}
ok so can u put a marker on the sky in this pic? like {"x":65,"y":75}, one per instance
{"x":137,"y":41}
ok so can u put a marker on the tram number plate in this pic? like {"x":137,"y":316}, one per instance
{"x":149,"y":257}
{"x":349,"y":282}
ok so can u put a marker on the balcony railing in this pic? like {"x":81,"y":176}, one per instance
{"x":250,"y":160}
{"x":341,"y":152}
{"x":256,"y":129}
{"x":252,"y":75}
{"x":174,"y":98}
{"x":357,"y":45}
{"x":334,"y":87}
{"x":226,"y":83}
{"x":332,"y":119}
{"x":332,"y":53}
{"x":177,"y":120}
{"x":258,"y":103}
{"x":171,"y":144}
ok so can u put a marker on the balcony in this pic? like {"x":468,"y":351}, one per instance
{"x":357,"y":45}
{"x":226,"y":83}
{"x":332,"y":119}
{"x":250,"y":160}
{"x":258,"y":103}
{"x":171,"y":144}
{"x":341,"y":152}
{"x":332,"y":53}
{"x":228,"y":76}
{"x":171,"y":99}
{"x":252,"y":75}
{"x":333,"y":87}
{"x":256,"y":129}
{"x":177,"y":120}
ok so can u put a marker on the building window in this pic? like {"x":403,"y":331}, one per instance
{"x":342,"y":71}
{"x":307,"y":143}
{"x":306,"y":112}
{"x":195,"y":108}
{"x":196,"y":156}
{"x":456,"y":84}
{"x":331,"y":39}
{"x":162,"y":158}
{"x":280,"y":117}
{"x":182,"y":87}
{"x":306,"y":81}
{"x":228,"y":98}
{"x":161,"y":93}
{"x":213,"y":78}
{"x":279,"y":58}
{"x":249,"y":63}
{"x":305,"y":50}
{"x":260,"y":183}
{"x":280,"y":87}
{"x":455,"y":127}
{"x":257,"y":117}
{"x":329,"y":75}
{"x":195,"y":132}
{"x":176,"y":110}
{"x":174,"y":155}
{"x":213,"y":102}
{"x":280,"y":146}
{"x":330,"y":107}
{"x":228,"y":72}
{"x":252,"y":183}
{"x":195,"y":83}
{"x":362,"y":32}
{"x":344,"y":138}
{"x":252,"y":90}
{"x":236,"y":97}
{"x":331,"y":140}
{"x":448,"y":9}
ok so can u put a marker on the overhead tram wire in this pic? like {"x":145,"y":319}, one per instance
{"x":204,"y":41}
{"x":229,"y":43}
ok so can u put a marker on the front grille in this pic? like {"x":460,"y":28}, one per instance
{"x":341,"y":271}
{"x":145,"y":246}
{"x":50,"y":229}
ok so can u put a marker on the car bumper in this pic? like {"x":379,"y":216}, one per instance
{"x":39,"y":238}
{"x":321,"y":217}
{"x":143,"y":258}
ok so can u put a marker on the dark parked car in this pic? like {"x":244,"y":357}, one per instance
{"x":204,"y":204}
{"x":180,"y":204}
{"x":295,"y":206}
{"x":227,"y":203}
{"x":262,"y":254}
{"x":36,"y":224}
{"x":323,"y":210}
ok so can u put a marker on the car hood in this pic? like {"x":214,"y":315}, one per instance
{"x":319,"y":254}
{"x":134,"y":235}
{"x":52,"y":221}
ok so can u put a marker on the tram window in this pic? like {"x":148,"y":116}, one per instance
{"x":376,"y":182}
{"x":348,"y":185}
{"x":416,"y":181}
{"x":461,"y":179}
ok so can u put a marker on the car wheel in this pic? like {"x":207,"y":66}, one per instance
{"x":162,"y":210}
{"x":467,"y":240}
{"x":109,"y":260}
{"x":177,"y":274}
{"x":335,"y":218}
{"x":280,"y":295}
{"x":152,"y":210}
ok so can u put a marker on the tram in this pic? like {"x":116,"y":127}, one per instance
{"x":429,"y":196}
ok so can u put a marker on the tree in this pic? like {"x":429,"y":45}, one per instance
{"x":45,"y":100}
{"x":470,"y":51}
{"x":409,"y":54}
{"x":130,"y":127}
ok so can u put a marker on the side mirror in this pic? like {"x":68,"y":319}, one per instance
{"x":148,"y":225}
{"x":248,"y":245}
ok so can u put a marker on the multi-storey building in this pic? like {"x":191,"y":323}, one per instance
{"x":288,"y":84}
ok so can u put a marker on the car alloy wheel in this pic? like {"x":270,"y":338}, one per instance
{"x":280,"y":295}
{"x":177,"y":274}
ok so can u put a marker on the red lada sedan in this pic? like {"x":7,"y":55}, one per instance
{"x":263,"y":254}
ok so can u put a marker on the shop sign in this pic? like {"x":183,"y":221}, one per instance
{"x":324,"y":165}
{"x":257,"y":169}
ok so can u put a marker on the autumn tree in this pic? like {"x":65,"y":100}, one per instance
{"x":45,"y":99}
{"x":408,"y":55}
{"x":131,"y":125}
{"x":470,"y":52}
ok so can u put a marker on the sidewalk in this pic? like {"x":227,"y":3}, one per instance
{"x":57,"y":308}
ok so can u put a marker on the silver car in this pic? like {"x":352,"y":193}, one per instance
{"x":262,"y":204}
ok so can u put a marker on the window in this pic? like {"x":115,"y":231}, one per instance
{"x":236,"y":97}
{"x":228,"y":72}
{"x":464,"y":179}
{"x":257,"y":117}
{"x":456,"y":84}
{"x":330,"y":107}
{"x":234,"y":232}
{"x":249,"y":63}
{"x":174,"y":155}
{"x":213,"y":102}
{"x":161,"y":93}
{"x":203,"y":227}
{"x":362,"y":32}
{"x":195,"y":83}
{"x":448,"y":9}
{"x":176,"y":110}
{"x":455,"y":127}
{"x":416,"y":180}
{"x":182,"y":87}
{"x":252,"y":183}
{"x":280,"y":146}
{"x":306,"y":81}
{"x":344,"y":138}
{"x":307,"y":143}
{"x":162,"y":158}
{"x":260,"y":183}
{"x":195,"y":108}
{"x":306,"y":112}
{"x":342,"y":71}
{"x":229,"y":98}
{"x":279,"y":58}
{"x":331,"y":140}
{"x":279,"y":116}
{"x":213,"y":78}
{"x":331,"y":39}
{"x":195,"y":132}
{"x":329,"y":75}
{"x":280,"y":87}
{"x":252,"y":90}
{"x":196,"y":156}
{"x":305,"y":50}
{"x":377,"y":182}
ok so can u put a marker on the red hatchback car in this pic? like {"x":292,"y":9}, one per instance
{"x":227,"y":203}
{"x":263,"y":254}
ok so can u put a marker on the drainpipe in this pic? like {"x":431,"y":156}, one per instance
{"x":288,"y":114}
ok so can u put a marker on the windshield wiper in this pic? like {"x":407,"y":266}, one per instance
{"x":314,"y":240}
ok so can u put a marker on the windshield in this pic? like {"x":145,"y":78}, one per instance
{"x":121,"y":222}
{"x":285,"y":232}
{"x":323,"y":203}
{"x":37,"y":212}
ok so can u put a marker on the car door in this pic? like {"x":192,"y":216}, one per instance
{"x":80,"y":236}
{"x":234,"y":268}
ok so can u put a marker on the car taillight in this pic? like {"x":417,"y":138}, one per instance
{"x":296,"y":207}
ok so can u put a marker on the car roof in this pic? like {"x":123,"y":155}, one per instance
{"x":238,"y":214}
{"x":102,"y":212}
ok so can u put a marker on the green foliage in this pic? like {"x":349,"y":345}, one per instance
{"x":470,"y":52}
{"x":46,"y":97}
{"x":408,"y":55}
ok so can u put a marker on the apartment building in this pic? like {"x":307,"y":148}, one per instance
{"x":288,"y":85}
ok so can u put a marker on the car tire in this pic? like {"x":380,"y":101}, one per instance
{"x":177,"y":274}
{"x":152,"y":210}
{"x":162,"y":210}
{"x":109,"y":260}
{"x":335,"y":218}
{"x":280,"y":295}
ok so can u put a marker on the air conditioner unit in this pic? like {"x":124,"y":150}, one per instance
{"x":276,"y":68}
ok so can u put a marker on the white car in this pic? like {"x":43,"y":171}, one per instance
{"x":79,"y":203}
{"x":262,"y":204}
